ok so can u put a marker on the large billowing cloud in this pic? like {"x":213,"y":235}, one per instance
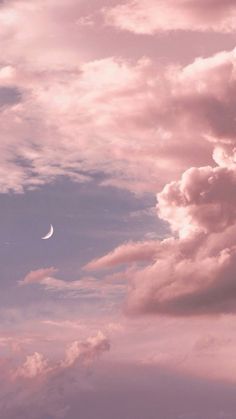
{"x":203,"y":200}
{"x":131,"y":114}
{"x":153,"y":16}
{"x":193,"y":273}
{"x":191,"y":276}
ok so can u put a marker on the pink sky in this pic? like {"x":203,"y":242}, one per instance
{"x":118,"y":126}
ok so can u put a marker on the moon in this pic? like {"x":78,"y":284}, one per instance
{"x":49,"y":234}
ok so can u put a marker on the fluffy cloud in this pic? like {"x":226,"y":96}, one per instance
{"x":184,"y":286}
{"x":194,"y":273}
{"x":45,"y":388}
{"x":86,"y":351}
{"x":34,"y":366}
{"x":169,"y":15}
{"x":203,"y":200}
{"x":46,"y":134}
{"x":78,"y":352}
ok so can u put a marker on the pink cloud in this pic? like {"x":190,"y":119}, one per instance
{"x":134,"y":114}
{"x":171,"y":15}
{"x":86,"y":285}
{"x":203,"y":200}
{"x":38,"y":276}
{"x":192,"y":274}
{"x":83,"y":352}
{"x":86,"y":351}
{"x":184,"y":286}
{"x":68,"y":111}
{"x":98,"y":98}
{"x":35,"y":365}
{"x":126,"y":253}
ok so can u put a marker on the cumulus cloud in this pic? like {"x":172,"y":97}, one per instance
{"x":203,"y":200}
{"x":198,"y":207}
{"x":181,"y":286}
{"x":77,"y":352}
{"x":86,"y":351}
{"x":169,"y":15}
{"x":34,"y":366}
{"x":45,"y":388}
{"x":193,"y":273}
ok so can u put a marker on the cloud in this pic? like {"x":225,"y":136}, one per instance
{"x":47,"y":388}
{"x":87,"y":351}
{"x":203,"y":200}
{"x":199,"y":207}
{"x":170,"y":15}
{"x":193,"y":273}
{"x":90,"y":286}
{"x":133,"y":114}
{"x":210,"y":344}
{"x":46,"y":135}
{"x":126,"y":253}
{"x":34,"y":365}
{"x":77,"y":352}
{"x":150,"y":129}
{"x":181,"y":286}
{"x":38,"y":276}
{"x":64,"y":396}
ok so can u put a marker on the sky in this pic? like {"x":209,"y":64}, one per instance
{"x":118,"y":128}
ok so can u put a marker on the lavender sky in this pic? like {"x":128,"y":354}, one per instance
{"x":118,"y":127}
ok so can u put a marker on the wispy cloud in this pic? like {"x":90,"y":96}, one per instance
{"x":90,"y":286}
{"x":172,"y":15}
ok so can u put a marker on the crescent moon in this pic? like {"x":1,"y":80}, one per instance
{"x":49,"y":234}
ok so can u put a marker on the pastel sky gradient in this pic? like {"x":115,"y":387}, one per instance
{"x":118,"y":127}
